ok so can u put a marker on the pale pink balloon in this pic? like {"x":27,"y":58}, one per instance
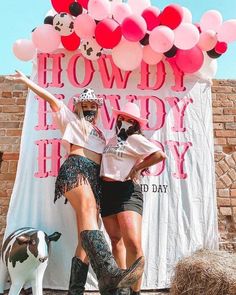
{"x":227,"y":31}
{"x":84,"y":26}
{"x":186,"y":36}
{"x":127,"y":55}
{"x":150,"y":56}
{"x":208,"y":69}
{"x":121,"y":11}
{"x":46,"y":38}
{"x":138,"y":6}
{"x":207,"y":40}
{"x":161,"y":39}
{"x":187,"y":15}
{"x":211,"y":20}
{"x":99,"y":9}
{"x":24,"y":49}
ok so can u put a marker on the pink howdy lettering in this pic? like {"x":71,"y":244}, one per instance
{"x":178,"y":107}
{"x":145,"y":77}
{"x":178,"y":76}
{"x":56,"y":69}
{"x":45,"y":160}
{"x":179,"y":157}
{"x":157,"y":169}
{"x":73,"y":73}
{"x":116,"y":73}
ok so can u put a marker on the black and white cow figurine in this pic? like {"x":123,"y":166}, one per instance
{"x":25,"y":257}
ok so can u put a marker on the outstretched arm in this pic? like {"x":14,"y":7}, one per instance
{"x":41,"y":92}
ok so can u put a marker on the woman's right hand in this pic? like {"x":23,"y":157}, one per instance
{"x":18,"y":77}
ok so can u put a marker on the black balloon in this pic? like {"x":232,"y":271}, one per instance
{"x":213,"y":54}
{"x":172,"y":52}
{"x":48,"y":20}
{"x":75,"y":9}
{"x":145,"y":40}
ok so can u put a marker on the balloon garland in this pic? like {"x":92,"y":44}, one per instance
{"x":131,"y":32}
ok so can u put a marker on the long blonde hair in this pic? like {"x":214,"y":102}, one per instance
{"x":78,"y":111}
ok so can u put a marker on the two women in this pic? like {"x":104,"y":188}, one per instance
{"x":78,"y":181}
{"x":124,"y":157}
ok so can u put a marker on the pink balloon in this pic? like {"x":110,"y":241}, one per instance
{"x":207,"y":40}
{"x":186,"y":36}
{"x":227,"y":31}
{"x":24,"y":49}
{"x":133,"y":28}
{"x":150,"y":56}
{"x":189,"y":61}
{"x":84,"y":26}
{"x":151,"y":16}
{"x":121,"y":11}
{"x":99,"y":9}
{"x":161,"y":39}
{"x":127,"y":55}
{"x":211,"y":20}
{"x":45,"y":38}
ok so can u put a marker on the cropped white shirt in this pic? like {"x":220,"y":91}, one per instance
{"x":119,"y":157}
{"x":72,"y":131}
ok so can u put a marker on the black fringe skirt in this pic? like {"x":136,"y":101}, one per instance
{"x":78,"y":170}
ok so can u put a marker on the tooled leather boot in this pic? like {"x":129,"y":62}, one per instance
{"x":109,"y":275}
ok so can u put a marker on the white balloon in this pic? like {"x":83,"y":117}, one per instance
{"x":138,"y":6}
{"x":90,"y":49}
{"x":187,"y":15}
{"x":63,"y":23}
{"x":208,"y":69}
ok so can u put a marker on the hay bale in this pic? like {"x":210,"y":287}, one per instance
{"x":205,"y":273}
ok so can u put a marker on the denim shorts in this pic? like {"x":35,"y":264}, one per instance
{"x":78,"y":170}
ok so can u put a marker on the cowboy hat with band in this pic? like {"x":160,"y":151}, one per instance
{"x":132,"y":111}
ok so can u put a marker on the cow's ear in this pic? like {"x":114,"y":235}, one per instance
{"x":54,"y":237}
{"x":23,"y":239}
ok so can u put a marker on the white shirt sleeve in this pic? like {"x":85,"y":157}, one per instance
{"x":142,"y":146}
{"x":63,"y":117}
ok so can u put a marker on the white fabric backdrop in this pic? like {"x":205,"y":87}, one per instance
{"x":176,"y":222}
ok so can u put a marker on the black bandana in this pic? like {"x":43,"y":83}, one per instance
{"x":90,"y":115}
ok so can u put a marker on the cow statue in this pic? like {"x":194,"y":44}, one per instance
{"x":25,"y":257}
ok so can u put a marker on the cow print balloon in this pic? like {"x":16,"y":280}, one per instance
{"x":63,"y":23}
{"x":91,"y":49}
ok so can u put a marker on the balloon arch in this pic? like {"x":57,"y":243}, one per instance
{"x":132,"y":32}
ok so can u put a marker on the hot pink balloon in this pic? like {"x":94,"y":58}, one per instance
{"x":186,"y":36}
{"x":24,"y":49}
{"x":84,"y":26}
{"x":133,"y":28}
{"x":211,"y":20}
{"x":99,"y":9}
{"x":161,"y":39}
{"x":127,"y":55}
{"x":207,"y":40}
{"x":46,"y":39}
{"x":150,"y":56}
{"x":227,"y":31}
{"x":189,"y":61}
{"x":121,"y":11}
{"x":151,"y":16}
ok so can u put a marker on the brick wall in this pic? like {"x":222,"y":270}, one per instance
{"x":12,"y":105}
